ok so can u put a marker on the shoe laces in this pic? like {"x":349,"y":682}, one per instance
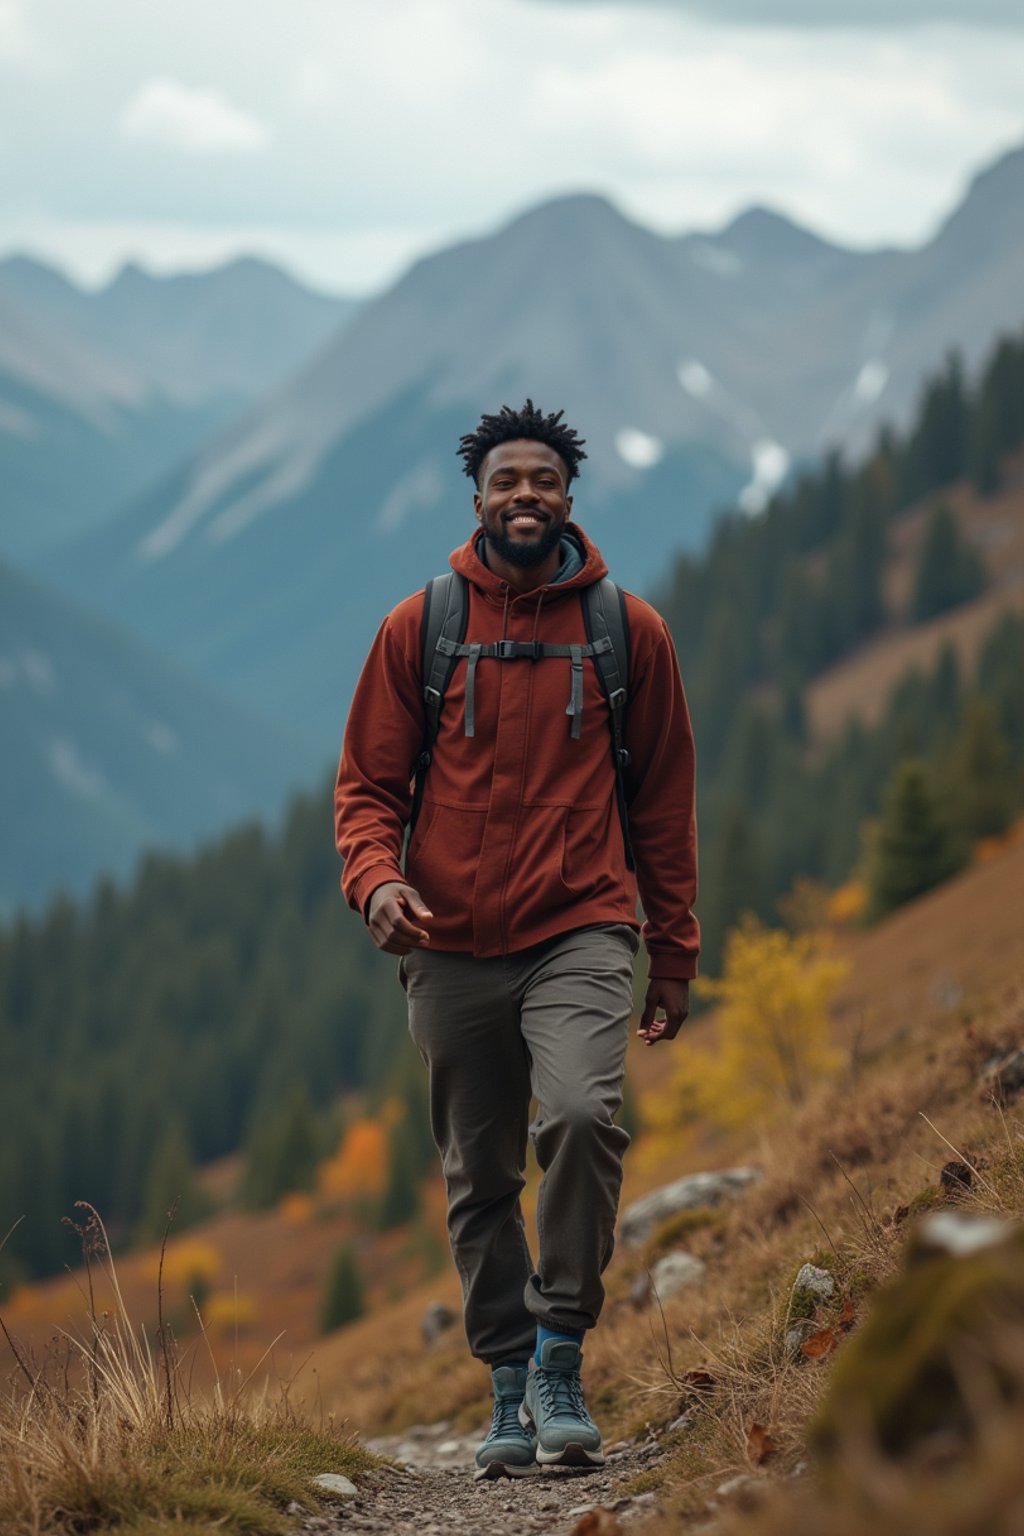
{"x":505,"y":1416}
{"x":561,"y":1393}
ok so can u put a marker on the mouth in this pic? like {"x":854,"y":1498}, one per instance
{"x":524,"y":519}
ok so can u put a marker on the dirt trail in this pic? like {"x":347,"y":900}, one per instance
{"x":431,"y":1492}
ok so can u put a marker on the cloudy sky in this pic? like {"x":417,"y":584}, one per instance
{"x":345,"y":137}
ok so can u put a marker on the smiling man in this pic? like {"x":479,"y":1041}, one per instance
{"x":527,"y":720}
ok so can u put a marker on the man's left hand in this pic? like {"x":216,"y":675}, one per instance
{"x":673,"y":998}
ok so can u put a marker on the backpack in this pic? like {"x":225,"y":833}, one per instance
{"x":443,"y":641}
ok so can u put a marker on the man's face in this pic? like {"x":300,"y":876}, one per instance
{"x":522,"y":503}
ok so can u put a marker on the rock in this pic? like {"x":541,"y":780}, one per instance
{"x":437,"y":1319}
{"x":952,"y":1233}
{"x":740,"y":1484}
{"x":900,"y":1377}
{"x":814,"y":1282}
{"x":811,"y":1287}
{"x":956,"y":1179}
{"x":640,"y":1219}
{"x":337,"y":1486}
{"x":674,"y":1272}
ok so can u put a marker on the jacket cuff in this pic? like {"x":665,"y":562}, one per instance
{"x":376,"y":876}
{"x":671,"y":965}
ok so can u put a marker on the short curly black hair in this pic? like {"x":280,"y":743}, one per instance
{"x":530,"y":423}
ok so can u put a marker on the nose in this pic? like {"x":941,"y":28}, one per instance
{"x":525,"y":492}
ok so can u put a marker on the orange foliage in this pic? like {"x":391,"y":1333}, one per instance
{"x":847,"y":903}
{"x":360,"y":1165}
{"x":296,"y":1209}
{"x":225,"y":1311}
{"x":186,"y":1262}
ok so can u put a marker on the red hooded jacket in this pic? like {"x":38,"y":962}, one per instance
{"x":518,"y":837}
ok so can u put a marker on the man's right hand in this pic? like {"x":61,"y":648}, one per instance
{"x":392,"y":919}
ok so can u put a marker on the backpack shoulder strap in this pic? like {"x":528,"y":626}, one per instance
{"x":604,"y":614}
{"x":445,"y":616}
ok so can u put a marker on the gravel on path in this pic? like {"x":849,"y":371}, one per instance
{"x":431,"y":1492}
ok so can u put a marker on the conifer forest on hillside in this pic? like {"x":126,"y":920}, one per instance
{"x":229,"y":1002}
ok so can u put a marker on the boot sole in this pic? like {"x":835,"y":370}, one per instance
{"x":496,"y":1469}
{"x":571,"y":1455}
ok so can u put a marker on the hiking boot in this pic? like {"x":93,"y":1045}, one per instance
{"x":508,"y":1450}
{"x":553,"y":1406}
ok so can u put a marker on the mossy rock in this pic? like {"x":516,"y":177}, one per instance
{"x":674,"y":1230}
{"x":900,"y":1376}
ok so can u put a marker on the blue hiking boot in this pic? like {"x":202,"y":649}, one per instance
{"x":509,"y":1448}
{"x":553,"y":1406}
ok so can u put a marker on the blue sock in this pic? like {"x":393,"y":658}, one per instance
{"x":543,"y":1334}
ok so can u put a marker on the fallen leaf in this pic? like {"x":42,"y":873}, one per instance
{"x":760,"y":1445}
{"x":821,"y":1344}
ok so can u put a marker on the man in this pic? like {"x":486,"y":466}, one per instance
{"x":515,"y":915}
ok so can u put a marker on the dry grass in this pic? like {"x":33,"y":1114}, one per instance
{"x":105,"y":1434}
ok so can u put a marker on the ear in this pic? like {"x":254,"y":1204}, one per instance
{"x":478,"y":506}
{"x":568,"y":506}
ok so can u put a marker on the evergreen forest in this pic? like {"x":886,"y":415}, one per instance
{"x":229,"y":1001}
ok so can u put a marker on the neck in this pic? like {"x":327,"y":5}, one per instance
{"x":525,"y":578}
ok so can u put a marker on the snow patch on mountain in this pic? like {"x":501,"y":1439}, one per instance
{"x":418,"y":491}
{"x":71,"y":770}
{"x":770,"y":461}
{"x":714,"y":258}
{"x":640,"y":450}
{"x":871,"y":380}
{"x":695,"y":378}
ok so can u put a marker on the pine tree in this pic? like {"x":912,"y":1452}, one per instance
{"x":948,"y":572}
{"x":401,"y":1198}
{"x":980,"y":779}
{"x":730,"y":882}
{"x":343,"y":1299}
{"x":282,"y":1149}
{"x":172,"y":1186}
{"x":913,"y":847}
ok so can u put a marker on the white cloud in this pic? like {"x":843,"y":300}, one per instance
{"x":392,"y":129}
{"x":200,"y":122}
{"x":638,"y":449}
{"x":20,"y":48}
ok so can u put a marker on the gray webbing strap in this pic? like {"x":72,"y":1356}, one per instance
{"x":517,"y":650}
{"x":575,"y":705}
{"x":473,"y":652}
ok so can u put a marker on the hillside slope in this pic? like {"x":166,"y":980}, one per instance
{"x":106,"y":750}
{"x":914,"y":981}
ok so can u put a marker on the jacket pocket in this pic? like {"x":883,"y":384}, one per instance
{"x":590,"y":850}
{"x":443,"y":863}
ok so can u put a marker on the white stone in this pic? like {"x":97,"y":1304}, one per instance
{"x":818,"y":1282}
{"x":336,"y":1485}
{"x":674,"y":1272}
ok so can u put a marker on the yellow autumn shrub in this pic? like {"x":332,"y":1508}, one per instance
{"x":774,"y":997}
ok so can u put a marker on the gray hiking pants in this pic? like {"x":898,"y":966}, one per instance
{"x":551,"y":1021}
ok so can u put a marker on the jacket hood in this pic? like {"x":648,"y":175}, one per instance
{"x":468,"y":563}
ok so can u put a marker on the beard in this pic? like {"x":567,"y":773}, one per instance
{"x":525,"y":553}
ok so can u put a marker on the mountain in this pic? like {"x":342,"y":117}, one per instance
{"x":101,"y":393}
{"x":106,"y":750}
{"x":699,"y":368}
